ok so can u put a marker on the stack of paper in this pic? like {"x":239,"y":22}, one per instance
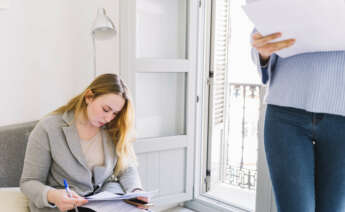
{"x":105,"y":195}
{"x":108,"y":202}
{"x":317,"y":25}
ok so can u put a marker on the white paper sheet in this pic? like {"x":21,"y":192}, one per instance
{"x":108,"y":202}
{"x":105,"y":195}
{"x":111,"y":206}
{"x":317,"y":25}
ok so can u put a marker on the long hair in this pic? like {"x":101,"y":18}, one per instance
{"x":121,"y":127}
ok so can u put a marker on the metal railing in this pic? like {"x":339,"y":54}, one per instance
{"x":244,"y":105}
{"x":241,"y":177}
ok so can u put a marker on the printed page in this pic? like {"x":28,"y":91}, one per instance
{"x":111,"y":206}
{"x":105,"y":195}
{"x":317,"y":25}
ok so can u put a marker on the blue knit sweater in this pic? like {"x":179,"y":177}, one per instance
{"x":312,"y":81}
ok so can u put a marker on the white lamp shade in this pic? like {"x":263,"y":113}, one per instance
{"x":103,"y":27}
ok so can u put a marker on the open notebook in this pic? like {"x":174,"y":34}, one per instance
{"x":106,"y":195}
{"x":106,"y":201}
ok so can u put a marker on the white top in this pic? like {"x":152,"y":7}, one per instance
{"x":93,"y":151}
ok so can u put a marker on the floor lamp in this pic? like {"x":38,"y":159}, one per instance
{"x":4,"y":4}
{"x":102,"y":29}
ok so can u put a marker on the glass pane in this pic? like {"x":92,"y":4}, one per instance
{"x":236,"y":173}
{"x":161,"y":27}
{"x":160,"y":99}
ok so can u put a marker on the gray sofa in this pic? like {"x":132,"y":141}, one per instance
{"x":13,"y":141}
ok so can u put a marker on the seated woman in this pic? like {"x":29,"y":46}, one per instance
{"x":87,"y":142}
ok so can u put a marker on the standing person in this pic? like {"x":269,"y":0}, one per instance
{"x":304,"y":125}
{"x":87,"y":142}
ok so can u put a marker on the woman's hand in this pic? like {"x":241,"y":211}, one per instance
{"x":266,"y":48}
{"x":60,"y":198}
{"x":145,"y":199}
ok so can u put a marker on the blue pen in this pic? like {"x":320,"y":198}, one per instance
{"x":69,"y":192}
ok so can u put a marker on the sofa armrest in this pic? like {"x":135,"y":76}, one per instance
{"x":12,"y":199}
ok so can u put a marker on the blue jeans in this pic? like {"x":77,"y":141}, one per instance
{"x":306,"y":158}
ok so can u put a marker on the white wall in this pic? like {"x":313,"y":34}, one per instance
{"x":46,"y":54}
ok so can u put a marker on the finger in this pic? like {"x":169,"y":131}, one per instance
{"x":256,"y":36}
{"x":78,"y":203}
{"x":145,"y":199}
{"x":74,"y":194}
{"x":270,"y":48}
{"x":84,"y":201}
{"x":77,"y":196}
{"x":288,"y":44}
{"x":67,"y":207}
{"x":281,"y":44}
{"x":142,"y":206}
{"x":78,"y":199}
{"x":81,"y":202}
{"x":266,"y":39}
{"x":69,"y":201}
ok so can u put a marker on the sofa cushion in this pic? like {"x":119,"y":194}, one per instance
{"x":13,"y":200}
{"x":13,"y":140}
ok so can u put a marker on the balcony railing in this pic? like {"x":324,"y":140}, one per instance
{"x":241,"y":177}
{"x":244,"y":105}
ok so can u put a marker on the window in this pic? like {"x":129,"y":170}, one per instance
{"x":234,"y":108}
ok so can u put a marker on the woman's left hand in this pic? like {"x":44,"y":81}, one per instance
{"x":145,"y":199}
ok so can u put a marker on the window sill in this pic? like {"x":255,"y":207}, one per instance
{"x":233,"y":196}
{"x":204,"y":203}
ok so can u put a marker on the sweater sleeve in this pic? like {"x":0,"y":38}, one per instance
{"x":130,"y":179}
{"x":265,"y":70}
{"x":36,"y":167}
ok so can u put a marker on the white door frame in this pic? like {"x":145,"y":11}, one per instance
{"x":130,"y":65}
{"x":264,"y":199}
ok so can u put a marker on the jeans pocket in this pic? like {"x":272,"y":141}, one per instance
{"x":291,"y":115}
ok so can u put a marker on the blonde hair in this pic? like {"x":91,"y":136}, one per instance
{"x":121,"y":127}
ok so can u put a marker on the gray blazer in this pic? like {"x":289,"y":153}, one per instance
{"x":54,"y":153}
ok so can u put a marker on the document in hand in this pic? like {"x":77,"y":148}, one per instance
{"x":105,"y":195}
{"x":317,"y":25}
{"x":108,"y":202}
{"x":111,"y":206}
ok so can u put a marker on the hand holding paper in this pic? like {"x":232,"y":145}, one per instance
{"x":266,"y":47}
{"x":317,"y":25}
{"x":106,"y":201}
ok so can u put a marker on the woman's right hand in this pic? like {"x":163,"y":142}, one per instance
{"x":266,"y":48}
{"x":60,"y":198}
